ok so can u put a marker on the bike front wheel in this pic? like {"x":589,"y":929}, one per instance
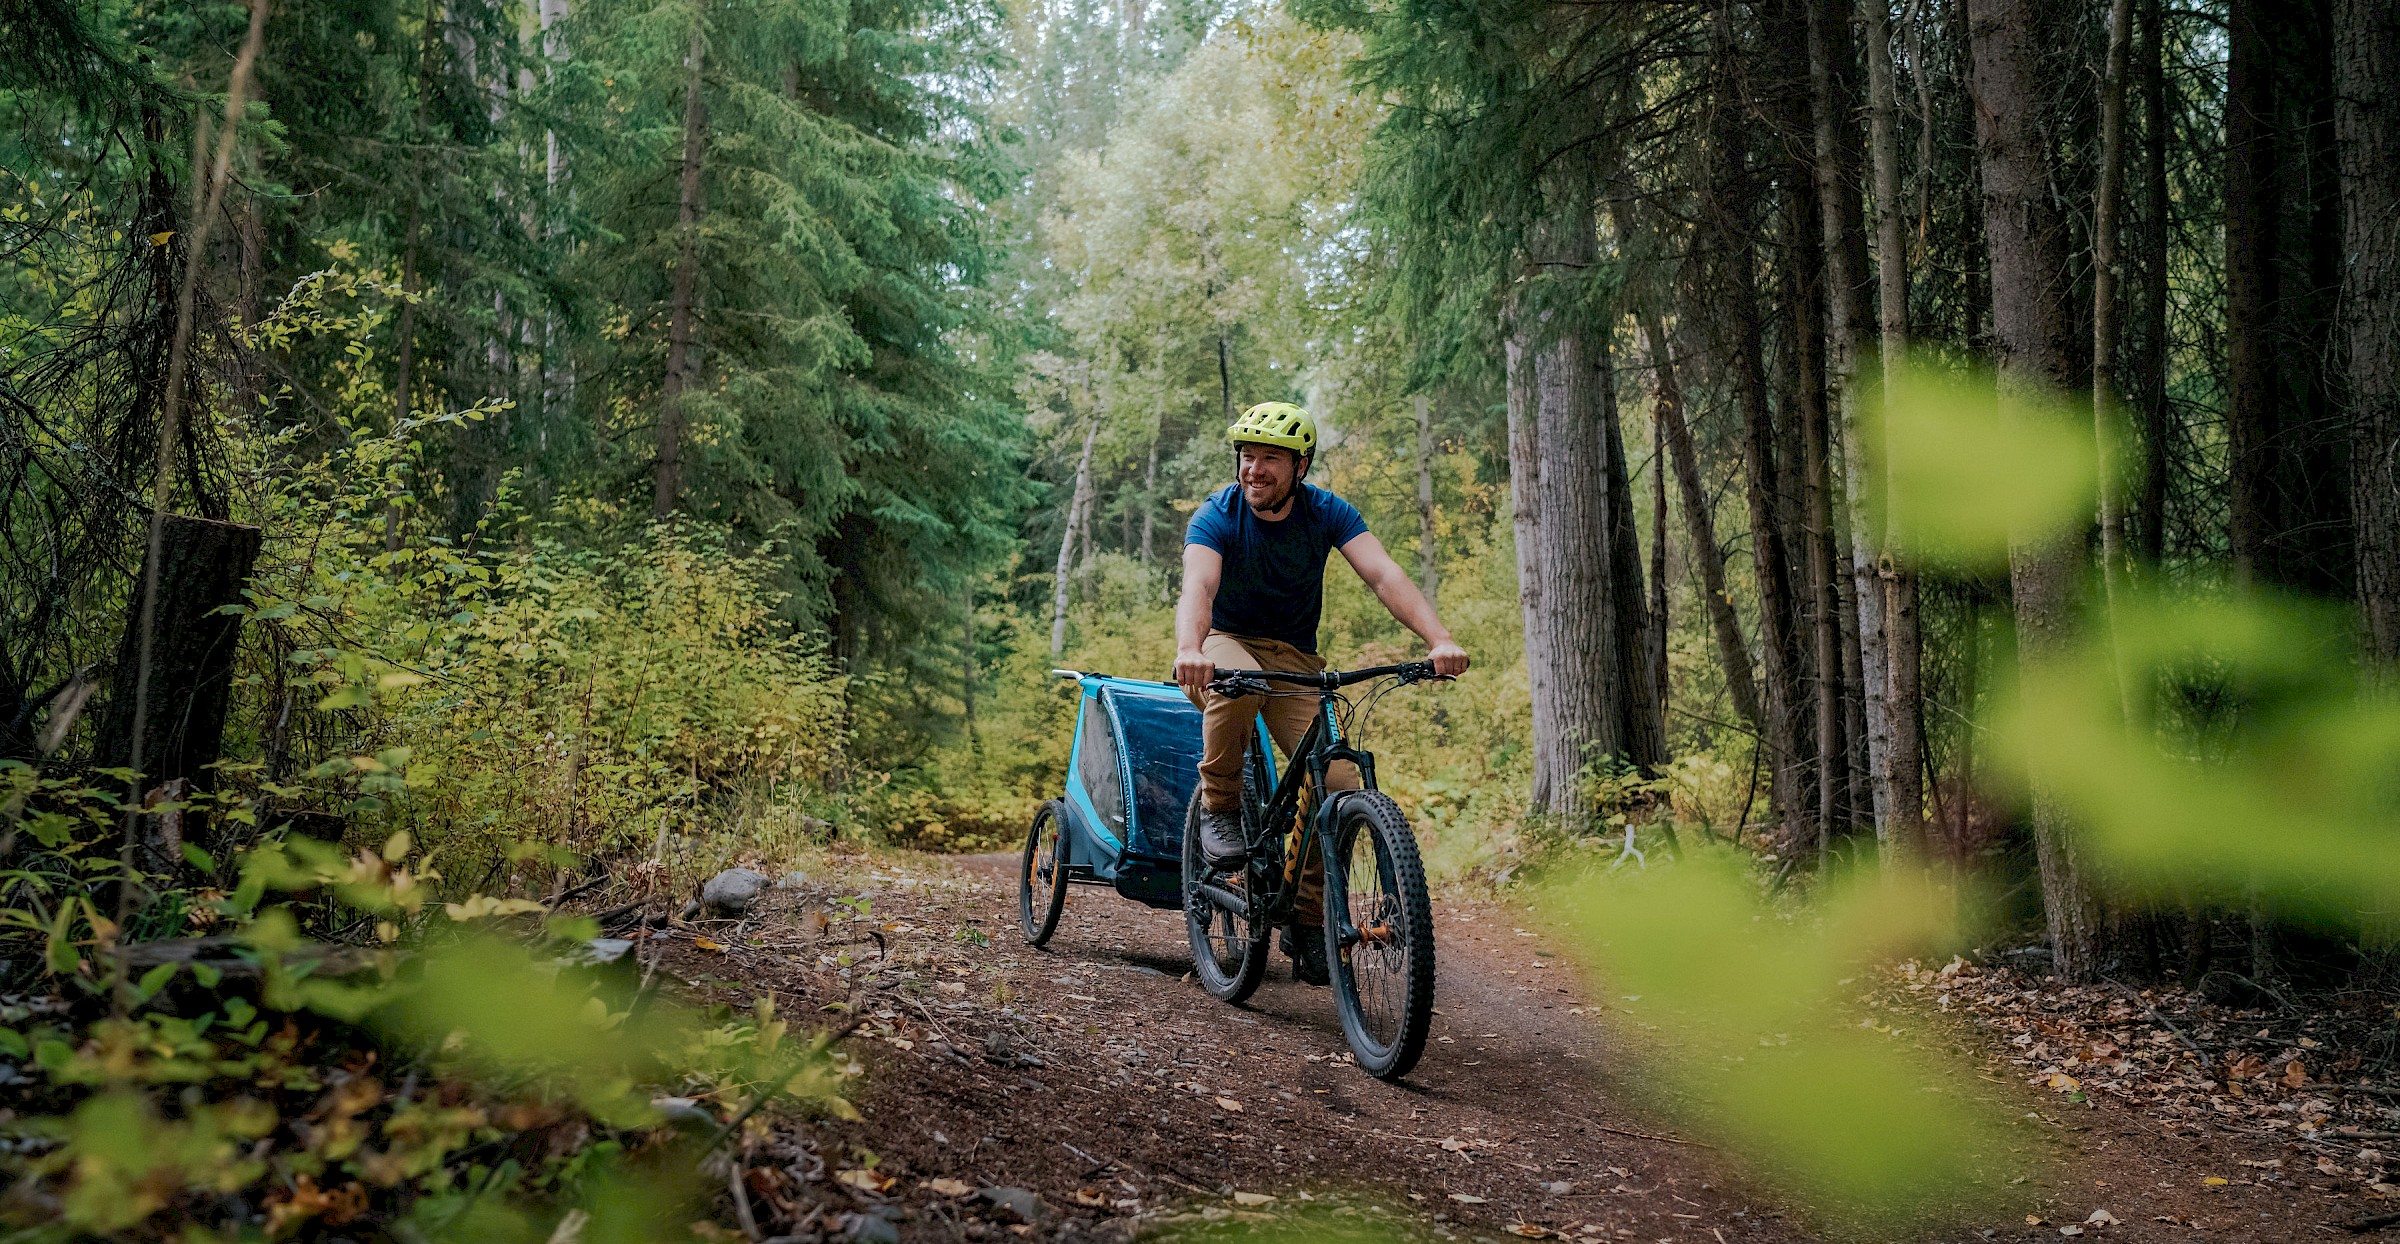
{"x":1379,"y":935}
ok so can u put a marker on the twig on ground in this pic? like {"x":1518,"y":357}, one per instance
{"x":578,"y":890}
{"x":741,"y":1197}
{"x":2372,"y":1222}
{"x":1669,"y":1140}
{"x":2162,"y":1021}
{"x":1186,"y":1182}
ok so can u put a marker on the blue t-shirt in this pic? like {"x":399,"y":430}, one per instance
{"x":1274,"y":582}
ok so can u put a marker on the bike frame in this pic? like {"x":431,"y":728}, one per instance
{"x":1320,"y":747}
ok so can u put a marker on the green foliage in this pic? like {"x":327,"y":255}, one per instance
{"x":528,"y":1081}
{"x":848,"y":407}
{"x":1967,"y":471}
{"x":1745,"y":1015}
{"x":2267,"y":771}
{"x":544,"y":682}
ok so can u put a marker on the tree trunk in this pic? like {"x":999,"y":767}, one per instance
{"x":1225,"y":375}
{"x":2032,"y":337}
{"x":1640,"y":697}
{"x":2367,"y":127}
{"x":1150,"y":503}
{"x":202,"y":567}
{"x":966,"y":677}
{"x":1802,"y":381}
{"x":1833,"y":75}
{"x":1429,"y":571}
{"x":2105,"y":226}
{"x":1526,"y":522}
{"x":2155,"y":229}
{"x":2251,"y":205}
{"x":1658,"y":554}
{"x":1700,"y":529}
{"x":668,"y":483}
{"x":1078,"y":501}
{"x":403,"y":380}
{"x":1727,"y":270}
{"x":1902,"y":824}
{"x":1575,"y":536}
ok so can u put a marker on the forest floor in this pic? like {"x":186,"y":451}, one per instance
{"x":1090,"y":1091}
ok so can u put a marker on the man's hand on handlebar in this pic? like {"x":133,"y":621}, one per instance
{"x":1193,"y":670}
{"x":1449,"y":660}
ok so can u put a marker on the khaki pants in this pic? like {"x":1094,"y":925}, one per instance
{"x":1226,"y":732}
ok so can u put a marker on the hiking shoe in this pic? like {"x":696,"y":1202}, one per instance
{"x":1308,"y":958}
{"x":1222,"y":842}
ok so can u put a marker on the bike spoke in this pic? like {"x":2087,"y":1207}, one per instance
{"x":1378,"y":961}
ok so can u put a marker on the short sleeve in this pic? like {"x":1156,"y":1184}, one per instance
{"x":1343,"y":522}
{"x":1207,"y":528}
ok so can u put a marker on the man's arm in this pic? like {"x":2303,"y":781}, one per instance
{"x":1399,"y":594}
{"x":1203,"y":567}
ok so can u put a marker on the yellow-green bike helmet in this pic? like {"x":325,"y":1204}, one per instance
{"x":1276,"y":423}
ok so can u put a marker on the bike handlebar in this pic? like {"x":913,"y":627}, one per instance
{"x":1229,"y":682}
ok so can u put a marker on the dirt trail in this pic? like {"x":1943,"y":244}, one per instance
{"x":1095,"y":1076}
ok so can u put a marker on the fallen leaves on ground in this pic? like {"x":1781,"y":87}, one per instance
{"x":866,"y":1180}
{"x":2191,"y":1062}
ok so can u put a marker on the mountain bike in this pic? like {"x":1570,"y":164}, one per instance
{"x":1378,"y":923}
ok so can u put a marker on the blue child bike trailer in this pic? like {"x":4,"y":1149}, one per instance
{"x":1130,"y":774}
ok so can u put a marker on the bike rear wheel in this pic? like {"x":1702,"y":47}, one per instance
{"x":1042,"y":878}
{"x":1379,"y":935}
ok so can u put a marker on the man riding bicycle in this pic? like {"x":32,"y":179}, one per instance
{"x":1253,"y":588}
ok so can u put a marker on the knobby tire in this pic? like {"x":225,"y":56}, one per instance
{"x":1229,"y":956}
{"x":1383,"y":986}
{"x":1040,"y":899}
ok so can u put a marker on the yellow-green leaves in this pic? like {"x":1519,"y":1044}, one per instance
{"x":126,"y":1160}
{"x":1756,"y":1043}
{"x":2287,"y":785}
{"x":1963,"y":471}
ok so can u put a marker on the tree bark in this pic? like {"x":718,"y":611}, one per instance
{"x":1801,"y":380}
{"x":1526,"y":522}
{"x":1640,"y":697}
{"x":2033,"y":339}
{"x":1150,"y":502}
{"x":1833,"y":75}
{"x":2251,"y":205}
{"x":2367,"y":128}
{"x":1701,"y":552}
{"x":2105,"y":228}
{"x":1575,"y":537}
{"x":2291,"y":516}
{"x":1079,"y":500}
{"x":966,"y":676}
{"x":2151,"y":377}
{"x":1902,"y":824}
{"x":1725,"y":272}
{"x":202,"y":566}
{"x":1225,"y":375}
{"x":405,"y":347}
{"x":668,"y":482}
{"x":1429,"y":571}
{"x":1658,"y":554}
